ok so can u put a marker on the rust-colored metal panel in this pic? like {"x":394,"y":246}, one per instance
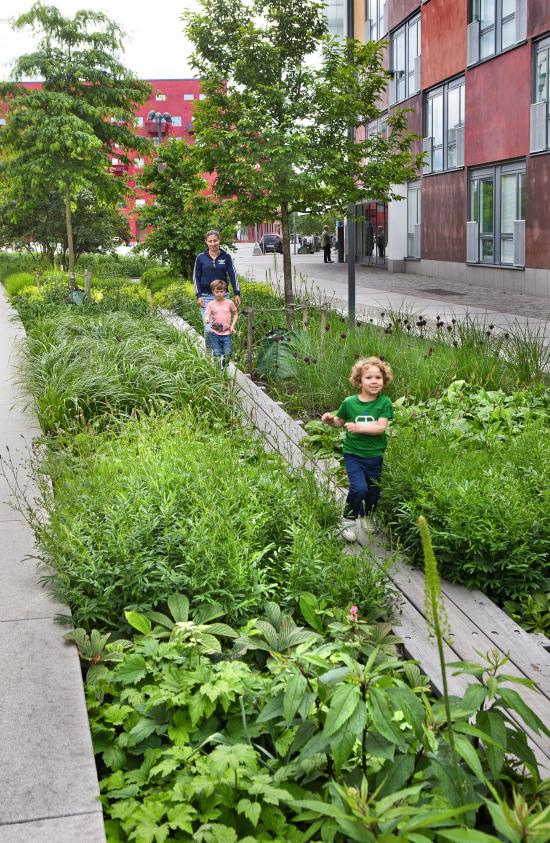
{"x":443,"y":229}
{"x":400,"y":10}
{"x":538,"y":17}
{"x":537,"y":212}
{"x":444,"y":27}
{"x":498,"y":96}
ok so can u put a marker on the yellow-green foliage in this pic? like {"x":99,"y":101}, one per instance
{"x":15,"y":282}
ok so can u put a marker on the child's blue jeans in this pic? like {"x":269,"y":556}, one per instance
{"x":221,"y":346}
{"x":364,"y":484}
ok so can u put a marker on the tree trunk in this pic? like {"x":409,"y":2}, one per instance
{"x":69,"y":222}
{"x":287,"y":265}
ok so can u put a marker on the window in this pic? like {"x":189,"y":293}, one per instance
{"x":495,"y":25}
{"x":2,"y":121}
{"x":540,"y":112}
{"x":377,"y":20}
{"x":139,"y":122}
{"x":176,"y":121}
{"x":160,"y":97}
{"x":405,"y":61}
{"x":189,"y":96}
{"x":139,"y":163}
{"x":140,"y":202}
{"x":377,"y":128}
{"x":413,"y":219}
{"x":202,"y":96}
{"x":444,"y":110}
{"x":496,"y":227}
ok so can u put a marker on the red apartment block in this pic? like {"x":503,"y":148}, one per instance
{"x":476,"y":75}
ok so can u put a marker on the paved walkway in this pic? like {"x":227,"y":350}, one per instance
{"x":48,"y":781}
{"x":378,"y":290}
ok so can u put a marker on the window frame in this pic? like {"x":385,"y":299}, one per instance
{"x":414,"y":187}
{"x":376,"y":24}
{"x":443,"y":91}
{"x":404,"y":31}
{"x":542,"y":45}
{"x":499,"y":20}
{"x":493,"y":174}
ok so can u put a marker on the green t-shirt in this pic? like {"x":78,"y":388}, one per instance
{"x":353,"y":409}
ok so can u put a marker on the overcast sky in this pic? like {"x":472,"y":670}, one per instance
{"x":155,"y":45}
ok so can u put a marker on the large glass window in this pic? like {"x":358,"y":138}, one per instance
{"x":413,"y":219}
{"x":540,"y":111}
{"x":497,"y":207}
{"x":405,"y":60}
{"x":377,"y":19}
{"x":499,"y":25}
{"x":444,"y":112}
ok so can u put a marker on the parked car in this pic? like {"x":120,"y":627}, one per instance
{"x":271,"y":243}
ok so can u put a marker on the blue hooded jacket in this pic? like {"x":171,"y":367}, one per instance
{"x":209,"y":269}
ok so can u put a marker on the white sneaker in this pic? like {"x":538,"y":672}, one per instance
{"x":368,"y":523}
{"x":349,"y":529}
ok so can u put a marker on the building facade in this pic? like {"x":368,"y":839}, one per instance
{"x":476,"y":75}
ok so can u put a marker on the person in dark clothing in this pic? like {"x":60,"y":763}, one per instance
{"x":326,"y":242}
{"x":213,"y":264}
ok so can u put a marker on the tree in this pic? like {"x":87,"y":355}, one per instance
{"x":60,"y":136}
{"x":275,"y":128}
{"x":183,"y":209}
{"x":40,"y":220}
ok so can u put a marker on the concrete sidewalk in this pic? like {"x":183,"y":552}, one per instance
{"x":48,"y":780}
{"x":378,"y":291}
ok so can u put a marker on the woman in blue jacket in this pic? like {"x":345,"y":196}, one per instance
{"x":214,"y":264}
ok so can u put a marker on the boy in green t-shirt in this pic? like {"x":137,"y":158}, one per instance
{"x":365,"y":417}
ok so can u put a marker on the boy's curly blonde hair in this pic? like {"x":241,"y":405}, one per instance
{"x":357,"y":370}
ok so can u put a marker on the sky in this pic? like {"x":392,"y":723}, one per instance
{"x":156,"y":47}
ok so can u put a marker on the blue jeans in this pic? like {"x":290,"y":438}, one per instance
{"x":364,"y":484}
{"x":207,"y":297}
{"x":221,"y":346}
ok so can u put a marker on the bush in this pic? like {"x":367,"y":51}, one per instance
{"x":16,"y":281}
{"x":129,"y":266}
{"x":159,"y":278}
{"x":11,"y":262}
{"x":188,"y":503}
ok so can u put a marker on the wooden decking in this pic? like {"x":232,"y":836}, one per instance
{"x":478,"y":625}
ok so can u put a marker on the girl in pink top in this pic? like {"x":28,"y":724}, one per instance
{"x":222,"y":315}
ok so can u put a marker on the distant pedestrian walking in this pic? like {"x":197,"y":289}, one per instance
{"x":326,"y":243}
{"x":211,"y":265}
{"x":381,"y":241}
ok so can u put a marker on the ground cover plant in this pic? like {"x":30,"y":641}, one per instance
{"x":315,"y":732}
{"x":189,"y":501}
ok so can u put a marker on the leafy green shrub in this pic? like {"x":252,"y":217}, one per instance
{"x":334,"y":740}
{"x":486,"y":504}
{"x":85,"y":367}
{"x":130,"y":266}
{"x":11,"y":262}
{"x":188,"y":502}
{"x":15,"y":281}
{"x":158,"y":278}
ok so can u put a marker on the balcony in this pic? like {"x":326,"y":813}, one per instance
{"x":152,"y":127}
{"x":119,"y":169}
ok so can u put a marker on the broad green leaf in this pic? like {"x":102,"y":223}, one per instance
{"x":493,"y":725}
{"x":138,"y":621}
{"x":251,"y":810}
{"x":342,"y":705}
{"x":143,"y":728}
{"x":343,"y":741}
{"x":295,"y":690}
{"x":504,"y":828}
{"x":308,"y":603}
{"x":179,"y":607}
{"x":222,"y":629}
{"x":466,"y":835}
{"x":382,"y":717}
{"x":132,"y":669}
{"x":470,"y":756}
{"x":515,"y":702}
{"x":394,"y":774}
{"x":114,"y":757}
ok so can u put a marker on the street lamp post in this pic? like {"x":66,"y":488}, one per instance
{"x":350,"y":216}
{"x":160,"y":119}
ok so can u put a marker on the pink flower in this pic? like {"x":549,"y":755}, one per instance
{"x":353,"y":614}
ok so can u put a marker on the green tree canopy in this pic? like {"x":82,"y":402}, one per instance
{"x":275,"y":126}
{"x":183,"y":209}
{"x":60,"y":136}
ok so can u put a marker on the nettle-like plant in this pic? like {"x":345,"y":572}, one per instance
{"x":313,"y":732}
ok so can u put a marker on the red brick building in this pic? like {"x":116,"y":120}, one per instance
{"x":476,"y":74}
